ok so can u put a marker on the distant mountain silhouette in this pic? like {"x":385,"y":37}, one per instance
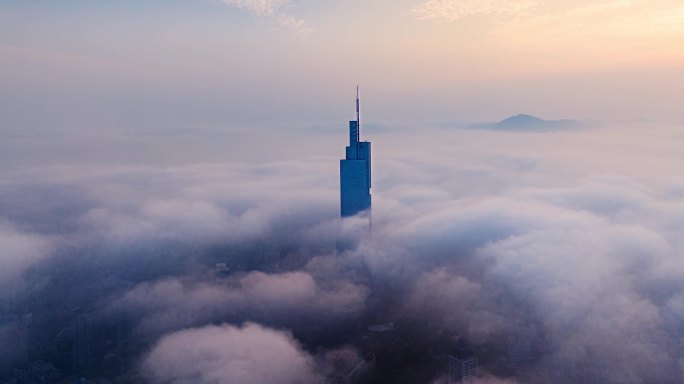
{"x":524,"y":122}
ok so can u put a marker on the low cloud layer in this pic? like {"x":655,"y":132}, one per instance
{"x":485,"y":240}
{"x":290,"y":298}
{"x":19,"y":252}
{"x":228,"y":354}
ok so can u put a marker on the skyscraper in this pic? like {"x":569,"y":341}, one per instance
{"x":14,"y":337}
{"x":355,"y":170}
{"x":462,"y":370}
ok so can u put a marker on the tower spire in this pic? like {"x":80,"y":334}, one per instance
{"x":358,"y":119}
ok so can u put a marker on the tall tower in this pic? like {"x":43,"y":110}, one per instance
{"x":355,"y":170}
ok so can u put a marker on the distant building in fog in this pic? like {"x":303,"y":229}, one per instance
{"x":355,"y":171}
{"x":462,"y":370}
{"x":83,"y":349}
{"x":520,"y":353}
{"x":14,"y":341}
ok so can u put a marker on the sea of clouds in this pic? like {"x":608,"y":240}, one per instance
{"x":570,"y":240}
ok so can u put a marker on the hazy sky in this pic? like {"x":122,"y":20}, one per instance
{"x":209,"y":63}
{"x":143,"y":141}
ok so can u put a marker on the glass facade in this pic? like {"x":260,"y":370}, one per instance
{"x":355,"y":174}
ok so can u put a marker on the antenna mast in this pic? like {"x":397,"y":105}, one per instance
{"x":358,"y":120}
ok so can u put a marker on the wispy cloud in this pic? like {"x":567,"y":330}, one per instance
{"x":625,"y":23}
{"x":600,"y":29}
{"x":272,"y":9}
{"x":451,"y":10}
